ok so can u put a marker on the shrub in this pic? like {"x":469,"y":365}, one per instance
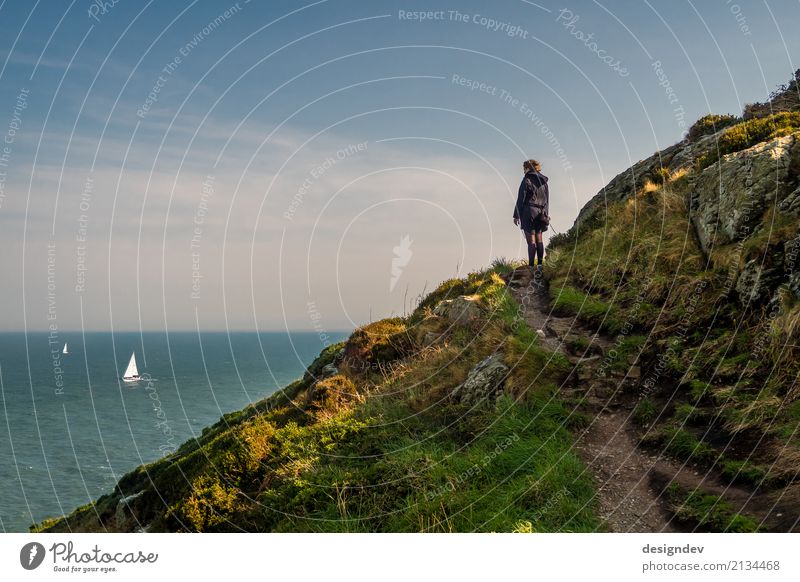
{"x":375,"y":343}
{"x":749,"y":133}
{"x":504,"y":266}
{"x":783,"y":98}
{"x":210,"y":504}
{"x":330,"y":395}
{"x":660,"y":175}
{"x":710,"y":124}
{"x":561,"y":239}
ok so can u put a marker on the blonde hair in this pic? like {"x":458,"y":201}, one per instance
{"x":531,"y":165}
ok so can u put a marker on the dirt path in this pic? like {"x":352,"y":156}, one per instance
{"x":627,"y":501}
{"x":631,"y":481}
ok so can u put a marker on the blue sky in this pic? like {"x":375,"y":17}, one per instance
{"x":325,"y":133}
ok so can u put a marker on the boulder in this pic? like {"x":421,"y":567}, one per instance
{"x":484,"y":382}
{"x":123,"y":514}
{"x":461,"y":310}
{"x":729,"y":197}
{"x":327,"y":371}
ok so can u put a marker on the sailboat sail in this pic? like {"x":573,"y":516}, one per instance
{"x":65,"y":350}
{"x":131,"y":372}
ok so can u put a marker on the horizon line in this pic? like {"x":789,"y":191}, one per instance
{"x":78,"y":331}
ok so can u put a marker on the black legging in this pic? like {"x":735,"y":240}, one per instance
{"x":535,"y":246}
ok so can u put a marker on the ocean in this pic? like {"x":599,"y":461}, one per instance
{"x":69,"y":428}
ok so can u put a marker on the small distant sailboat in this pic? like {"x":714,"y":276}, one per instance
{"x":65,"y":351}
{"x":131,"y":372}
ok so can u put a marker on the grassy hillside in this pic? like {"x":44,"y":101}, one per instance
{"x":380,"y":445}
{"x":714,"y":329}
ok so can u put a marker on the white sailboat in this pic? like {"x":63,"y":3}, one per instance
{"x":65,"y":351}
{"x":131,"y":372}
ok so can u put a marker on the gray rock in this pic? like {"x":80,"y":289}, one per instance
{"x":327,"y":371}
{"x":581,"y":361}
{"x":791,"y":204}
{"x":123,"y":513}
{"x":462,"y":310}
{"x":680,"y":156}
{"x":755,"y":283}
{"x":730,"y":196}
{"x":484,"y":382}
{"x":794,"y":284}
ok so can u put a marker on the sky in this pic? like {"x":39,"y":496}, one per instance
{"x":315,"y":166}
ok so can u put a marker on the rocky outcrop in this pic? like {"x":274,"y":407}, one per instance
{"x":462,"y":310}
{"x":727,"y":202}
{"x":730,"y":197}
{"x":675,"y":158}
{"x":124,"y":515}
{"x":484,"y":382}
{"x":791,"y":204}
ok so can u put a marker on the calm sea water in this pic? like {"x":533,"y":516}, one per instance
{"x":63,"y":446}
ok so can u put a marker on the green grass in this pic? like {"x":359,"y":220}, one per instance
{"x":577,"y":344}
{"x":645,"y":412}
{"x":708,"y":512}
{"x":686,"y":412}
{"x":685,"y":446}
{"x":742,"y":472}
{"x":571,"y":301}
{"x":625,"y":261}
{"x":787,"y":421}
{"x":626,"y":350}
{"x":699,"y":390}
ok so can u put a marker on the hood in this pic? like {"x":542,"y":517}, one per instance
{"x":537,"y":178}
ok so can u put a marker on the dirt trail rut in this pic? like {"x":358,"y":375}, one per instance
{"x":631,"y":481}
{"x":626,"y":499}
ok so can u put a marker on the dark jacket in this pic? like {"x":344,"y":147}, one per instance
{"x":533,"y":200}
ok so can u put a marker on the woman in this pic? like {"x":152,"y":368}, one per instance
{"x":532,"y":211}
